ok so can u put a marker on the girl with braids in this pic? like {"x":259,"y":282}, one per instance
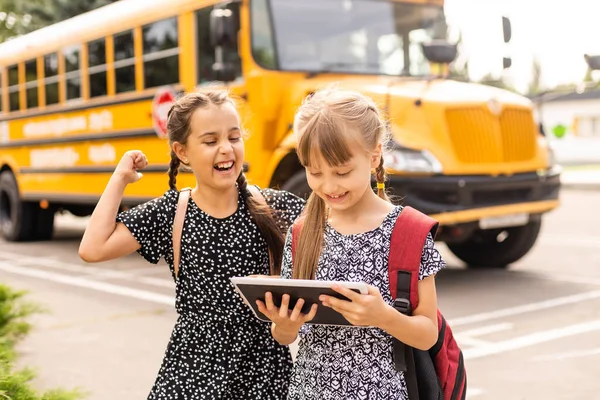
{"x":345,"y":236}
{"x":218,"y":349}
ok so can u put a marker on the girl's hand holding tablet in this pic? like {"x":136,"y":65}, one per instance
{"x":286,"y":322}
{"x":363,"y":309}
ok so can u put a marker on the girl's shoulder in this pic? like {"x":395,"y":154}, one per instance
{"x":151,"y":223}
{"x":166,"y":202}
{"x":395,"y":212}
{"x":284,"y":202}
{"x":164,"y":205}
{"x":276,"y":197}
{"x":389,"y":221}
{"x":169,"y":197}
{"x":431,"y":259}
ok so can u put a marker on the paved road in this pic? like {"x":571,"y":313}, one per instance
{"x":532,"y":332}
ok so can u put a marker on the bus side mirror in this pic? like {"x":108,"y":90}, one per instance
{"x":224,"y":72}
{"x":592,"y":61}
{"x":506,"y":29}
{"x":506,"y":62}
{"x":439,"y":51}
{"x":222,"y":27}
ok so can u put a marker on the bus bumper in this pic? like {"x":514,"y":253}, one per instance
{"x":473,"y":195}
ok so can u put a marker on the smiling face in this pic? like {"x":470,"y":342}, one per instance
{"x":342,"y":181}
{"x":214,"y":149}
{"x":340,"y":137}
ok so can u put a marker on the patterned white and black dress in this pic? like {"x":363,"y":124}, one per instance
{"x":351,"y":362}
{"x":218,"y":349}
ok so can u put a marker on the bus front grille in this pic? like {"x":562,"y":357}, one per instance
{"x":479,"y":136}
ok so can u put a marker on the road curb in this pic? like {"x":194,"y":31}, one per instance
{"x":581,"y":178}
{"x":580,"y":185}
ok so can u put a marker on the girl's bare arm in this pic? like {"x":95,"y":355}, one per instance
{"x":419,"y":330}
{"x":105,"y":239}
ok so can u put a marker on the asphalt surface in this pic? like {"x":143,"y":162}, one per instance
{"x":529,"y":332}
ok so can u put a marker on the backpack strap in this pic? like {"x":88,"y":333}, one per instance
{"x":182,"y":203}
{"x":296,"y":231}
{"x":406,"y":247}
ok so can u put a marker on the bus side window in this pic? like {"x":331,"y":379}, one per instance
{"x":73,"y":72}
{"x":124,"y":62}
{"x":206,"y":52}
{"x":97,"y":67}
{"x":51,"y":78}
{"x":161,"y":53}
{"x":13,"y":88}
{"x":31,"y":83}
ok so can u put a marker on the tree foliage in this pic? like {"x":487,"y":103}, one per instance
{"x":18,"y":17}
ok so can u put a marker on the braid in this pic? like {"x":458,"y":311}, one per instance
{"x":380,"y":177}
{"x":265,"y":221}
{"x":243,"y":186}
{"x":380,"y":173}
{"x":173,"y":170}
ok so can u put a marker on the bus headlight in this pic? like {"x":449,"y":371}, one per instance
{"x":402,"y":159}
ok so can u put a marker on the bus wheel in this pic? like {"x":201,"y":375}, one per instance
{"x":17,"y":218}
{"x":298,"y":185}
{"x":497,"y":248}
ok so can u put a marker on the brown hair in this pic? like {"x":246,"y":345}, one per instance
{"x":325,"y":124}
{"x":178,"y":127}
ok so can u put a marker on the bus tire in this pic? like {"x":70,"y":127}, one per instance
{"x":298,"y":185}
{"x":16,"y":217}
{"x":484,"y":249}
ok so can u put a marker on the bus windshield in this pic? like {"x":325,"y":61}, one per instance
{"x":353,"y":36}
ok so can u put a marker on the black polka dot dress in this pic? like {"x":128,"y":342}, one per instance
{"x":218,"y":348}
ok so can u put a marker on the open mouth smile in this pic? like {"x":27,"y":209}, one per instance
{"x":336,"y":198}
{"x":224,"y":167}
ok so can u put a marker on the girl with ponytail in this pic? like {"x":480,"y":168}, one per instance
{"x":345,"y":236}
{"x":218,"y":349}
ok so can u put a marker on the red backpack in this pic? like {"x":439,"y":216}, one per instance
{"x":439,"y":373}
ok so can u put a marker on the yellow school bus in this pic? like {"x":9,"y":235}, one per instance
{"x":76,"y":95}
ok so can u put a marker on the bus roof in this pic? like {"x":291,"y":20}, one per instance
{"x":95,"y":24}
{"x":113,"y":18}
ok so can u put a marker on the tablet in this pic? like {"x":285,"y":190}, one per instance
{"x":252,"y":289}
